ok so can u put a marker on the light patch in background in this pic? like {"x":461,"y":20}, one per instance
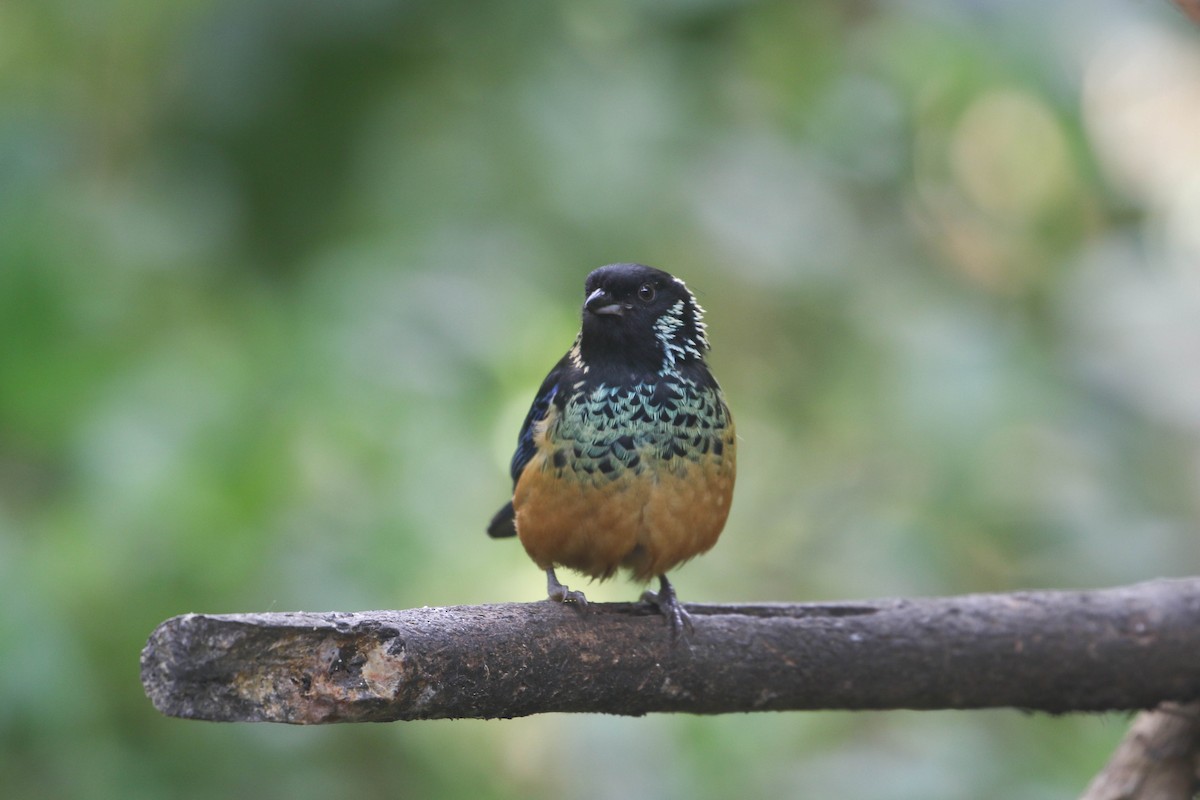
{"x":772,"y":212}
{"x":144,"y":433}
{"x":990,"y":187}
{"x":416,"y":318}
{"x":952,"y":367}
{"x":606,"y":123}
{"x":1141,"y":110}
{"x":1009,"y":156}
{"x":1137,"y":333}
{"x":859,"y":124}
{"x":174,"y":210}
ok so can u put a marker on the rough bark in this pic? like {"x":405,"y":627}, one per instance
{"x":1122,"y":648}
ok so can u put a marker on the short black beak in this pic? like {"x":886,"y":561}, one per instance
{"x":601,"y":302}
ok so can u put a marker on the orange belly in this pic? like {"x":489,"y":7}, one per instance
{"x":647,"y":521}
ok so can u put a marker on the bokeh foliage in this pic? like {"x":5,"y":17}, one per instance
{"x":278,"y":278}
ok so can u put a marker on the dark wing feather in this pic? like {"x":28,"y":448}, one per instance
{"x":537,"y":412}
{"x":504,"y":523}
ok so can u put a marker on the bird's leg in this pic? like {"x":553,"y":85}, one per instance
{"x":670,"y":607}
{"x":561,"y":594}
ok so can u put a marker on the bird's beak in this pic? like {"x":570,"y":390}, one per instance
{"x":600,"y":302}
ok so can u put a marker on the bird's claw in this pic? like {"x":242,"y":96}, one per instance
{"x":678,"y":619}
{"x":561,"y":594}
{"x":569,"y":596}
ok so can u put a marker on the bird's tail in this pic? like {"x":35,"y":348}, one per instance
{"x":504,"y":524}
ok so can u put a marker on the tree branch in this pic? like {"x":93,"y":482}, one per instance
{"x":1123,"y":648}
{"x":1159,"y":758}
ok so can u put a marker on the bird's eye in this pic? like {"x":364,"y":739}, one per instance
{"x":646,"y":292}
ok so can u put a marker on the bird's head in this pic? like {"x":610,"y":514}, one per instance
{"x":642,"y":318}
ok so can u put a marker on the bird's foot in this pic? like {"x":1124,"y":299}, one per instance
{"x":669,"y":606}
{"x":561,"y":594}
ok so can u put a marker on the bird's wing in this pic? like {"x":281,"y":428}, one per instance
{"x":546,"y":394}
{"x":504,"y":523}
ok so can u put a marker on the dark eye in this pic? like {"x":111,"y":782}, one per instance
{"x":646,"y":292}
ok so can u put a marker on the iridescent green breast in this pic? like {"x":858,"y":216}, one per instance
{"x":605,"y":431}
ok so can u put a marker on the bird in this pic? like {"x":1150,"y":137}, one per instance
{"x":628,"y":455}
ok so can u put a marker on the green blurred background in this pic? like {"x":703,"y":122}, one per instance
{"x":279,"y":277}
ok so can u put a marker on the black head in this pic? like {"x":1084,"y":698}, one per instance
{"x":641,"y":318}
